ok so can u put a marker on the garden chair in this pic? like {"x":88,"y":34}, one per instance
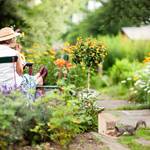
{"x":13,"y":59}
{"x":42,"y":87}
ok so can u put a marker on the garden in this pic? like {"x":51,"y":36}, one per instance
{"x":87,"y":62}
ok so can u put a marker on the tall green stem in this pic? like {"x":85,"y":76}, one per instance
{"x":89,"y":78}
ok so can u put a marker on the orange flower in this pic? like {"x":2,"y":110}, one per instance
{"x":68,"y":65}
{"x":60,"y":63}
{"x":147,"y":59}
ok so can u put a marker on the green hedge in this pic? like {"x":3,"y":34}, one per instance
{"x":120,"y":47}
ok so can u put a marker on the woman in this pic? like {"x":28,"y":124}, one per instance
{"x":12,"y":74}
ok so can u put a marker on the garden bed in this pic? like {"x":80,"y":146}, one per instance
{"x":86,"y":141}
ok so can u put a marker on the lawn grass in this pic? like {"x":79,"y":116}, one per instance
{"x":131,"y":142}
{"x":116,"y":92}
{"x":135,"y":107}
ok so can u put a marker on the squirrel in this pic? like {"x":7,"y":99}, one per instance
{"x":129,"y":129}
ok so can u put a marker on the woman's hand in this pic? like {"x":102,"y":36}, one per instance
{"x":19,"y":66}
{"x":18,"y":47}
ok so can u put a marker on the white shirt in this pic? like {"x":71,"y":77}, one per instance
{"x":8,"y":72}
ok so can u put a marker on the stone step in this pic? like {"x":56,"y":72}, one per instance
{"x":107,"y":120}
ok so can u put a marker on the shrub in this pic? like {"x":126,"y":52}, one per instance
{"x":40,"y":58}
{"x":121,"y":70}
{"x":55,"y":117}
{"x":99,"y":81}
{"x":120,"y":47}
{"x":15,"y":117}
{"x":89,"y":53}
{"x":77,"y":76}
{"x":68,"y":118}
{"x":141,"y":89}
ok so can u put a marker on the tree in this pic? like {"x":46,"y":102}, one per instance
{"x":89,"y":53}
{"x":48,"y":20}
{"x":111,"y":17}
{"x":9,"y":13}
{"x":43,"y":23}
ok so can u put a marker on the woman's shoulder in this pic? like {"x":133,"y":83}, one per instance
{"x":7,"y":51}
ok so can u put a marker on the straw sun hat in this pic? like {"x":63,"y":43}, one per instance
{"x":7,"y":33}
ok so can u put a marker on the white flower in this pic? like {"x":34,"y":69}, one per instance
{"x":145,"y":89}
{"x":129,"y":79}
{"x":124,"y":81}
{"x":148,"y":91}
{"x":131,"y":89}
{"x":135,"y":92}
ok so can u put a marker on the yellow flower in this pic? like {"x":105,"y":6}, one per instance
{"x":35,"y":45}
{"x":77,"y":121}
{"x":22,"y":34}
{"x":66,"y":44}
{"x":67,"y":49}
{"x":135,"y":78}
{"x":30,"y":60}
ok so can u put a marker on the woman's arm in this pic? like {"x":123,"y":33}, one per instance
{"x":19,"y":66}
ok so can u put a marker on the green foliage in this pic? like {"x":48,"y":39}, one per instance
{"x":29,"y":17}
{"x":121,"y":70}
{"x":55,"y":117}
{"x":15,"y":117}
{"x":100,"y":80}
{"x":135,"y":107}
{"x":43,"y":58}
{"x":88,"y":112}
{"x":88,"y":52}
{"x":131,"y":142}
{"x":69,"y":116}
{"x":120,"y":47}
{"x":48,"y":62}
{"x":77,"y":75}
{"x":10,"y":14}
{"x":48,"y":29}
{"x":111,"y":17}
{"x":116,"y":91}
{"x":63,"y":125}
{"x":141,"y":88}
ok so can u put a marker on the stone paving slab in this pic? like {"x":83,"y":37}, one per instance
{"x":130,"y":117}
{"x":143,"y":142}
{"x":112,"y":104}
{"x":112,"y":143}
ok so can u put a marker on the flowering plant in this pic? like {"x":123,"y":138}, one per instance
{"x":141,"y":88}
{"x":147,"y":59}
{"x":89,"y":53}
{"x":63,"y":67}
{"x":60,"y":63}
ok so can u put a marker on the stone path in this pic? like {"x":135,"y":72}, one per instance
{"x":125,"y":117}
{"x":112,"y":104}
{"x":130,"y":117}
{"x":112,"y":143}
{"x":109,"y":103}
{"x":143,"y":142}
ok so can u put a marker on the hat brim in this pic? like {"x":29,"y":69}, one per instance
{"x":8,"y":37}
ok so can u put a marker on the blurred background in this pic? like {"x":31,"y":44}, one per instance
{"x":53,"y":21}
